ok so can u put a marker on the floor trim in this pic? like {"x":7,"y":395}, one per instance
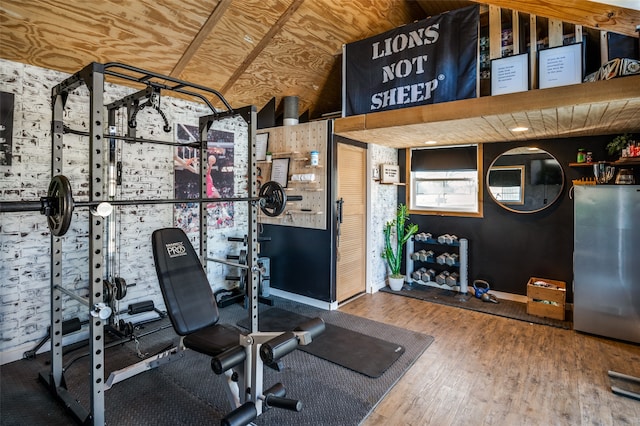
{"x":329,"y":306}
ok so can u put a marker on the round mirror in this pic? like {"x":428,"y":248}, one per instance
{"x":525,"y":180}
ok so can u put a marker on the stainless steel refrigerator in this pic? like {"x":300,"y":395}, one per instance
{"x":606,"y":261}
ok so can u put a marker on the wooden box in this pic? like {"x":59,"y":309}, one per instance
{"x":548,"y":302}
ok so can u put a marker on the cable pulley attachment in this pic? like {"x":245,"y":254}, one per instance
{"x":152,"y":102}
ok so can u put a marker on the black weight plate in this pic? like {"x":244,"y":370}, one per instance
{"x":62,"y":212}
{"x":121,"y":288}
{"x":107,"y":290}
{"x":273,"y":199}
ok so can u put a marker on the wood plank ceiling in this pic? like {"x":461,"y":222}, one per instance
{"x":251,"y":50}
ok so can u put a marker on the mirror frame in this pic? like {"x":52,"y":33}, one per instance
{"x":507,"y":205}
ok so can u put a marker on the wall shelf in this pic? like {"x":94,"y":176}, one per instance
{"x":390,"y":183}
{"x":303,"y":212}
{"x":305,"y":189}
{"x":627,"y":161}
{"x":586,"y":164}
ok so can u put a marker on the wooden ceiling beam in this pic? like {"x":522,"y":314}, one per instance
{"x":588,"y":13}
{"x":264,"y":42}
{"x":197,"y":41}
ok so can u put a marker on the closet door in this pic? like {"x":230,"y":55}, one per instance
{"x":352,"y":218}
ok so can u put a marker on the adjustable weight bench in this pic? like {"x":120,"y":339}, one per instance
{"x":192,"y":308}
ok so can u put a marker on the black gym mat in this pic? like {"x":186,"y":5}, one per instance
{"x":356,"y":351}
{"x":506,"y":308}
{"x":187,"y":392}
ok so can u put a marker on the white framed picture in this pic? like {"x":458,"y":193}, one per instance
{"x":560,"y":66}
{"x":280,"y":171}
{"x":262,"y":142}
{"x":510,"y":74}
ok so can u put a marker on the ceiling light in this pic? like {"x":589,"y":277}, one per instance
{"x":519,"y":129}
{"x":430,"y":142}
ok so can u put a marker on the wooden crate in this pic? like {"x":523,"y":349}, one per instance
{"x":537,"y":296}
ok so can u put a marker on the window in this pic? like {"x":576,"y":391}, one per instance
{"x":506,"y":184}
{"x":446,"y":181}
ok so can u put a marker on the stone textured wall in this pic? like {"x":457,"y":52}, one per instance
{"x":147,"y":174}
{"x":383,"y":202}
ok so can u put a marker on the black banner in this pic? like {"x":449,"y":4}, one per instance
{"x":430,"y":61}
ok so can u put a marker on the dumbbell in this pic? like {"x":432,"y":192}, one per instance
{"x":420,"y":236}
{"x":417,"y":275}
{"x":452,"y":259}
{"x":452,"y":279}
{"x":429,"y":275}
{"x":441,"y":278}
{"x":442,"y":259}
{"x":487,"y":297}
{"x":447,"y":239}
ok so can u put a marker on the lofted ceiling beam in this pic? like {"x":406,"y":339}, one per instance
{"x":202,"y":35}
{"x":588,"y":13}
{"x":262,"y":45}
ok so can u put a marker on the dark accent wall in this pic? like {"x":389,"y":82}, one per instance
{"x":301,"y":261}
{"x":507,"y":248}
{"x":267,"y":115}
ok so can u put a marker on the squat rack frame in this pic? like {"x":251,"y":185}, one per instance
{"x":94,"y":76}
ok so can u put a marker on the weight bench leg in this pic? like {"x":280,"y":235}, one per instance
{"x":232,"y":389}
{"x":165,"y":357}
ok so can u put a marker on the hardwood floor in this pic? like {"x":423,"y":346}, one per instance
{"x":488,"y":370}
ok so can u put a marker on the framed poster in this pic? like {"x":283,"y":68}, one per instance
{"x":510,"y":74}
{"x":560,"y":66}
{"x":280,"y":171}
{"x":7,"y":101}
{"x":262,"y":142}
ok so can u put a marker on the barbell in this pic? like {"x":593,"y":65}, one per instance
{"x":58,"y":205}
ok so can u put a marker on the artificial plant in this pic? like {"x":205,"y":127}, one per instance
{"x":618,"y":143}
{"x":393,"y":252}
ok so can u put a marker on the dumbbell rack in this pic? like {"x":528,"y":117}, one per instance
{"x":461,"y":264}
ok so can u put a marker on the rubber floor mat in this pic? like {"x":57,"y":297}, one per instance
{"x":356,"y":351}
